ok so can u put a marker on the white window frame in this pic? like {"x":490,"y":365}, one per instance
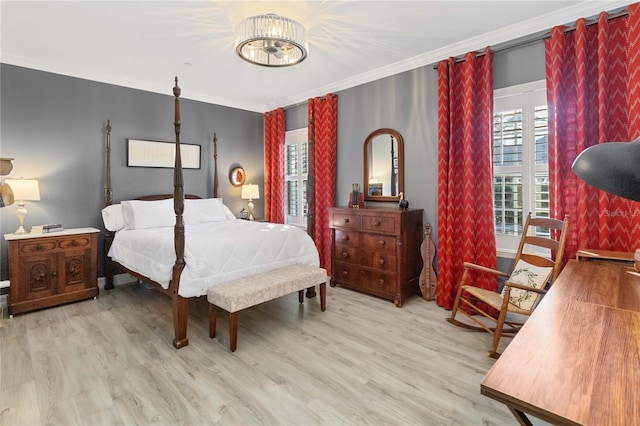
{"x":296,"y":137}
{"x":526,"y":97}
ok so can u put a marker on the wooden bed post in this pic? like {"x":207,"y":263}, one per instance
{"x":108,"y":200}
{"x":180,"y":304}
{"x":215,"y":166}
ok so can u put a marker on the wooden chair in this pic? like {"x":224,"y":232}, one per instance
{"x":533,"y":272}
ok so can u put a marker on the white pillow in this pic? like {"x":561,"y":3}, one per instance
{"x":204,"y":210}
{"x":113,"y":217}
{"x":148,"y":214}
{"x":527,"y":274}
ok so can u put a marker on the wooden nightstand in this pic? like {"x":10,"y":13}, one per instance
{"x":51,"y":269}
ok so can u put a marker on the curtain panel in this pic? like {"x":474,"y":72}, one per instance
{"x":593,"y":91}
{"x":322,"y":156}
{"x":466,"y":229}
{"x":274,"y":133}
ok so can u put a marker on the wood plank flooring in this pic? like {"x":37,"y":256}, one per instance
{"x":110,"y":361}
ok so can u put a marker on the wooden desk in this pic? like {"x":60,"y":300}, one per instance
{"x":577,"y":358}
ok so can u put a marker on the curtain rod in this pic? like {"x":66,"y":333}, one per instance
{"x":539,"y":37}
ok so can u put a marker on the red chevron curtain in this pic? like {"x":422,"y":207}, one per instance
{"x":593,"y":90}
{"x":466,"y":229}
{"x":323,"y":134}
{"x":274,"y":130}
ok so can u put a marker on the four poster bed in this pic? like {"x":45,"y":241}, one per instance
{"x":183,"y":244}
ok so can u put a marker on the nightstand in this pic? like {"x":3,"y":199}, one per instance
{"x":51,"y":269}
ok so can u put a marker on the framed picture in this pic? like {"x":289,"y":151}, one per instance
{"x":142,"y":153}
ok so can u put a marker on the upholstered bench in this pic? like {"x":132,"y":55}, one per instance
{"x":233,"y":296}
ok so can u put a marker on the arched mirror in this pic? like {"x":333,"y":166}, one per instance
{"x":383,"y":166}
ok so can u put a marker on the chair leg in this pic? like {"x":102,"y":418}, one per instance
{"x":497,"y":333}
{"x":456,"y":302}
{"x":233,"y":331}
{"x":212,"y":320}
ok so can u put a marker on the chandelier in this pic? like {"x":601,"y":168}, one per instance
{"x":271,"y":40}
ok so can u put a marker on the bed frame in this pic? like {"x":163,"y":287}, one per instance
{"x":180,"y":305}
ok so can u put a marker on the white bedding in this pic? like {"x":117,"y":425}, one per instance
{"x":214,"y":252}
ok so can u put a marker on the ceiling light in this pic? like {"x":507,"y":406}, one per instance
{"x":271,"y":40}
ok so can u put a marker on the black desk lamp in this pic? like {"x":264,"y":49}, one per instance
{"x":613,"y":167}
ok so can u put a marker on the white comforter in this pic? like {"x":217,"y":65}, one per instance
{"x":214,"y":252}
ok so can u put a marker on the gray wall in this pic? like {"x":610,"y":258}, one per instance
{"x":407,"y":102}
{"x":53,"y":126}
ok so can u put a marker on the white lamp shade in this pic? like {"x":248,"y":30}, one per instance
{"x":24,"y":189}
{"x":250,"y":192}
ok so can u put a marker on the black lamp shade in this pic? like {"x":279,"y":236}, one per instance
{"x":613,"y":167}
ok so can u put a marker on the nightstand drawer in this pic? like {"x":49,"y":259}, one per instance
{"x":74,"y":242}
{"x":37,"y":247}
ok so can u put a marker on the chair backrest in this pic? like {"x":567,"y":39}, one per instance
{"x":555,"y":243}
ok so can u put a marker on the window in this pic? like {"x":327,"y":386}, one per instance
{"x":295,"y":177}
{"x":520,"y":160}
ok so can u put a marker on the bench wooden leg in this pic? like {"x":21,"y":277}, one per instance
{"x":233,"y":331}
{"x":323,"y":296}
{"x":212,"y":320}
{"x":301,"y":296}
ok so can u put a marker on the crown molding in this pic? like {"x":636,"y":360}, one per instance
{"x":500,"y":36}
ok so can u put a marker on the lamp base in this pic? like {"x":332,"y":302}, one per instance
{"x":21,"y":214}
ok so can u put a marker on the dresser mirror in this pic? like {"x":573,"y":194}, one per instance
{"x":383,"y":166}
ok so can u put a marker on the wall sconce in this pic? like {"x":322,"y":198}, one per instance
{"x":23,"y":190}
{"x":250,"y":192}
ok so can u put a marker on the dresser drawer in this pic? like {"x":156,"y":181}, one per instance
{"x":373,"y":281}
{"x":369,"y":241}
{"x":388,"y":224}
{"x":383,"y":260}
{"x":346,"y":220}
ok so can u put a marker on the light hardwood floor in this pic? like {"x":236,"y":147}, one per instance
{"x":110,"y":361}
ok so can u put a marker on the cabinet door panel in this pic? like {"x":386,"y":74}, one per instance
{"x":40,"y":273}
{"x":76,"y":270}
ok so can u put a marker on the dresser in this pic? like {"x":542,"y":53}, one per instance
{"x":376,"y":250}
{"x":51,"y":269}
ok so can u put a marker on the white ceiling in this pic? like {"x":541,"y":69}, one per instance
{"x":144,"y":44}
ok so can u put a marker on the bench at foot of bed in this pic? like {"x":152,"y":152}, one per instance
{"x":233,"y":296}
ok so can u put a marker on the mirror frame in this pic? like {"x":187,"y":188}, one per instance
{"x":400,"y":142}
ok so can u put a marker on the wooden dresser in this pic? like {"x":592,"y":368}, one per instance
{"x":51,"y":269}
{"x":377,"y":250}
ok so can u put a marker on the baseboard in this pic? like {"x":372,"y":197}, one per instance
{"x":4,"y":284}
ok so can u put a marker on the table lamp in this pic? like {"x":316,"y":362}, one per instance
{"x":23,"y":190}
{"x":250,"y":192}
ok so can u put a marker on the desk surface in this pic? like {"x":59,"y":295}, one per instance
{"x":577,"y":358}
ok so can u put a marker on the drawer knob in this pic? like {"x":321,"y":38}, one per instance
{"x":346,"y":220}
{"x":345,"y":254}
{"x":382,"y":242}
{"x":345,"y":238}
{"x":376,"y":223}
{"x":381,"y":281}
{"x":381,"y":261}
{"x":345,"y":273}
{"x":54,"y":274}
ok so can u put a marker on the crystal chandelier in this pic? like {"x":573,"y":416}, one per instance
{"x":271,"y":40}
